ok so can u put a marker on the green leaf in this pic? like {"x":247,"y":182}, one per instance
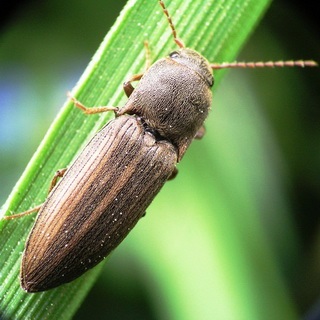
{"x":217,"y":29}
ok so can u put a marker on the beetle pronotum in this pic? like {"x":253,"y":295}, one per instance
{"x":107,"y":189}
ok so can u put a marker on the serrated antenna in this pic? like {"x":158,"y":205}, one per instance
{"x":177,"y":40}
{"x":265,"y":64}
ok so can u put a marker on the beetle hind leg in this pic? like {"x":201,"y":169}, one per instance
{"x":59,"y":174}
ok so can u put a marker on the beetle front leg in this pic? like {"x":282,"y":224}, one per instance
{"x":127,"y":86}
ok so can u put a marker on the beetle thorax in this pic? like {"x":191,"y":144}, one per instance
{"x":173,"y":97}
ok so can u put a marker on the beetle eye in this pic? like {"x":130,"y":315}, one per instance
{"x":174,"y":54}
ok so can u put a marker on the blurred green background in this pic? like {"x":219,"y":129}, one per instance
{"x":248,"y":193}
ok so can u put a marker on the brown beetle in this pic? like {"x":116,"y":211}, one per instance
{"x":112,"y":182}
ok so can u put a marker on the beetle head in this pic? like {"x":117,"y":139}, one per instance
{"x":196,"y":62}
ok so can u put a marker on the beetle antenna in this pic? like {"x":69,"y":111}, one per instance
{"x":177,"y":40}
{"x":265,"y":64}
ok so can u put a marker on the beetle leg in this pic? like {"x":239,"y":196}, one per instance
{"x":22,"y":214}
{"x":54,"y":181}
{"x":93,"y":110}
{"x":148,"y":55}
{"x":127,"y":86}
{"x":59,"y":174}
